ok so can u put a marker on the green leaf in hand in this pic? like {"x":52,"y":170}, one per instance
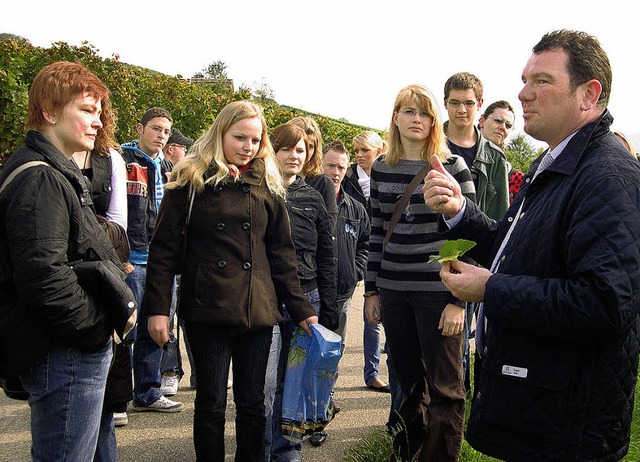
{"x":452,"y":250}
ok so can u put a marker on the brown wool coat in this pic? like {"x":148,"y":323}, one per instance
{"x":240,"y":261}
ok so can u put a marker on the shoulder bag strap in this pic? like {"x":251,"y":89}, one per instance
{"x":402,"y":203}
{"x":18,"y":170}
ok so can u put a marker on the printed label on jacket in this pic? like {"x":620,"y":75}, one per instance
{"x":514,"y":371}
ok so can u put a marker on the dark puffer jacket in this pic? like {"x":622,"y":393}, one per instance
{"x":559,"y":370}
{"x":48,"y":222}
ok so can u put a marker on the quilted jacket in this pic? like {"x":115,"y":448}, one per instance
{"x":559,"y":369}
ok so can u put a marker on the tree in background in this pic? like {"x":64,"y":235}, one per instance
{"x":520,"y":153}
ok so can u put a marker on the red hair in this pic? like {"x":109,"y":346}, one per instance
{"x":56,"y":85}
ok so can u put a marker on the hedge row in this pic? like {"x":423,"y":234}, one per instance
{"x":134,"y":90}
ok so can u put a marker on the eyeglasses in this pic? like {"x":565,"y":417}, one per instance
{"x":181,"y":146}
{"x":455,"y":103}
{"x":508,"y":125}
{"x":164,"y":131}
{"x":412,"y":113}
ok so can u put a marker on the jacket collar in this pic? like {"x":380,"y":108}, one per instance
{"x":568,"y":160}
{"x":50,"y":154}
{"x":255,"y":174}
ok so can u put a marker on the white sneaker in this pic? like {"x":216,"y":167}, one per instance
{"x":120,"y":419}
{"x":169,"y":384}
{"x":229,"y":383}
{"x":161,"y":405}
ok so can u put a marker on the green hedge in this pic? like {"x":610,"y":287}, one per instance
{"x":134,"y":90}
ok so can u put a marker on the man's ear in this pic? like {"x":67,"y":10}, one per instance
{"x":139,"y":129}
{"x":590,"y":94}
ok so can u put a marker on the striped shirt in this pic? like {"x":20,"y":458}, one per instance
{"x":405,"y":266}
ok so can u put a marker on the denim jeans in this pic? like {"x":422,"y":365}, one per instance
{"x":66,"y":396}
{"x":277,"y":447}
{"x":371,"y":349}
{"x":147,"y":355}
{"x":213,"y":349}
{"x":107,"y":449}
{"x":429,"y":368}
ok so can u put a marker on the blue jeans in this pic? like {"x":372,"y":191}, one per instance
{"x":147,"y":355}
{"x":371,"y":349}
{"x":107,"y":449}
{"x":213,"y":349}
{"x":66,"y":396}
{"x":277,"y":447}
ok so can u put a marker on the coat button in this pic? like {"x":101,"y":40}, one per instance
{"x":510,"y":219}
{"x":246,"y":225}
{"x":220,"y":226}
{"x":246,"y":189}
{"x":246,"y":265}
{"x":222,"y":264}
{"x":486,"y":350}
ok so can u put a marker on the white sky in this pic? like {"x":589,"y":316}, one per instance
{"x":343,"y":58}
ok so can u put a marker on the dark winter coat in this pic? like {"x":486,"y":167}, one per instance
{"x":48,"y":222}
{"x":559,"y":369}
{"x":240,"y":262}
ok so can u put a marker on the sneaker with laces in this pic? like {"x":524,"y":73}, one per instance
{"x":120,"y":419}
{"x":169,"y":384}
{"x":163,"y":404}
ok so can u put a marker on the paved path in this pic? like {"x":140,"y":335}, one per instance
{"x":168,"y":437}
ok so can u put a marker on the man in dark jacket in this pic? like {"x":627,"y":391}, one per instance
{"x":147,"y":173}
{"x":559,"y":327}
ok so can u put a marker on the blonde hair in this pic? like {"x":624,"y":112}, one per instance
{"x":371,"y":140}
{"x":313,"y":165}
{"x":436,"y":142}
{"x":626,"y":142}
{"x":208,"y":151}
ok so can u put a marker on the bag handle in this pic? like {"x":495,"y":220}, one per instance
{"x":404,"y":200}
{"x":18,"y":170}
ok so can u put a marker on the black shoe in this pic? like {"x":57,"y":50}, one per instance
{"x":382,"y":388}
{"x":318,"y":438}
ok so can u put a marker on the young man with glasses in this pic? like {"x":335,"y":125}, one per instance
{"x":147,"y":173}
{"x":488,"y":164}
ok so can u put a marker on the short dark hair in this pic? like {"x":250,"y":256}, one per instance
{"x":502,"y":104}
{"x":335,"y":145}
{"x":464,"y":81}
{"x":153,"y":113}
{"x":587,"y":60}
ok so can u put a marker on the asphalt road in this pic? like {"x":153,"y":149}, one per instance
{"x":157,"y":437}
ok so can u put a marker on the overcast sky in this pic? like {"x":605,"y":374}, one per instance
{"x":343,"y":59}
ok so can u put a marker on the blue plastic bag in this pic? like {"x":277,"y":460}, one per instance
{"x":312,"y":370}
